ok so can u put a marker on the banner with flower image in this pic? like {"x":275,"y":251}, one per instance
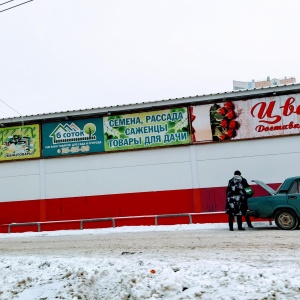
{"x":246,"y":119}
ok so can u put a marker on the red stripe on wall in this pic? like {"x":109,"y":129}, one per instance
{"x":213,"y":199}
{"x":121,"y":205}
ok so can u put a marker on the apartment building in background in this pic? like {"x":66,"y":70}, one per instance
{"x":242,"y":85}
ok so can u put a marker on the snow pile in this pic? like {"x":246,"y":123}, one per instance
{"x":151,"y":275}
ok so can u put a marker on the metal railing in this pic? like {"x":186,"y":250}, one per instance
{"x":97,"y":220}
{"x":25,"y":224}
{"x":113,"y":220}
{"x":173,"y":215}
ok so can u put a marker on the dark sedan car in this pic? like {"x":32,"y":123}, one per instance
{"x":282,"y":205}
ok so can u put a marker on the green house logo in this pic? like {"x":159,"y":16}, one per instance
{"x":72,"y":133}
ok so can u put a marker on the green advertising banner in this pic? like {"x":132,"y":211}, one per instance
{"x":146,"y":129}
{"x":72,"y":137}
{"x":20,"y":142}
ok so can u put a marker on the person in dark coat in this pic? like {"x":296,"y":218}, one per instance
{"x":236,"y":199}
{"x":245,"y":203}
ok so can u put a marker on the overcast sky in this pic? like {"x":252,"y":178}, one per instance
{"x":59,"y":55}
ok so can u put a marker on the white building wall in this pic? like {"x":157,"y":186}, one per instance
{"x":270,"y":160}
{"x":121,"y":172}
{"x":205,"y":165}
{"x":112,"y":173}
{"x":20,"y":180}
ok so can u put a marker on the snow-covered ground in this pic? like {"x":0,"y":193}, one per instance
{"x":165,"y":262}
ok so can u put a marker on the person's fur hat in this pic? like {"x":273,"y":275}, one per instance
{"x":237,"y":173}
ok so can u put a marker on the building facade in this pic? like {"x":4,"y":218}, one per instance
{"x":164,"y":157}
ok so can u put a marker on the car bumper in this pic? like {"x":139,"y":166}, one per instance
{"x":251,"y":213}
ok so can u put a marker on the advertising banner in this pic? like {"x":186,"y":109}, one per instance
{"x":72,"y":137}
{"x":246,"y":119}
{"x":20,"y":142}
{"x":146,"y":129}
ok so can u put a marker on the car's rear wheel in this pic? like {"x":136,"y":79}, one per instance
{"x":286,"y":220}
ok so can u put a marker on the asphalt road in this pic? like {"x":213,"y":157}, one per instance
{"x":255,"y":244}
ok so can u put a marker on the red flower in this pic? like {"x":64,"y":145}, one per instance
{"x":223,"y":123}
{"x":230,"y":133}
{"x":228,"y":105}
{"x":230,"y":114}
{"x":219,"y":134}
{"x":221,"y":111}
{"x":232,"y":124}
{"x":192,"y":113}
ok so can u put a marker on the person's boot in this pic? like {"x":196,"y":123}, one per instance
{"x":240,"y":223}
{"x":230,"y":222}
{"x":249,"y":222}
